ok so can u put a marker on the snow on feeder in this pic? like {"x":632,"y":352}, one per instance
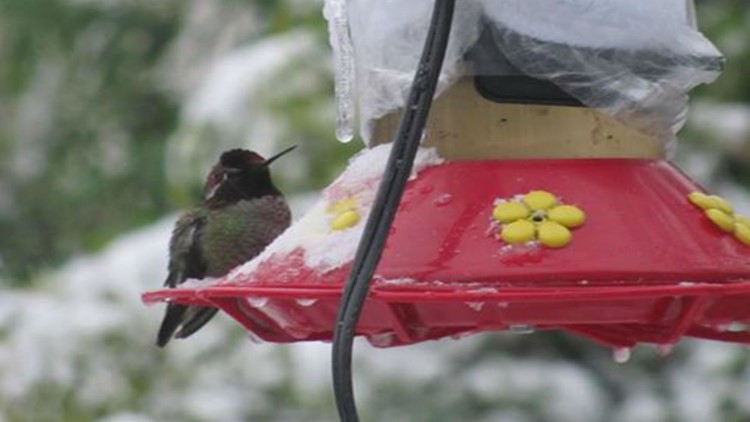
{"x":540,"y":197}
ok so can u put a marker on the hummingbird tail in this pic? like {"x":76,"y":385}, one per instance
{"x":170,"y":323}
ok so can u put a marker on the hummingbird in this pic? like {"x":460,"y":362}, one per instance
{"x":241,"y":212}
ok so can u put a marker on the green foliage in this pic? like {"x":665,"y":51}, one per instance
{"x":86,"y":135}
{"x":725,"y":23}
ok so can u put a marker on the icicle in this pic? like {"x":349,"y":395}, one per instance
{"x":335,"y":11}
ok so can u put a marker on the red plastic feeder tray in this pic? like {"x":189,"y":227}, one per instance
{"x":646,"y":266}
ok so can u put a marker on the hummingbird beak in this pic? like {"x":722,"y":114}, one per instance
{"x":277,"y":156}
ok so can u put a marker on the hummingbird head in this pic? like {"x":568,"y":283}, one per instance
{"x":240,"y":174}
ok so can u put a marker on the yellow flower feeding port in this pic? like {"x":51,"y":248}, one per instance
{"x":538,"y":215}
{"x":721,"y":213}
{"x":344,"y":214}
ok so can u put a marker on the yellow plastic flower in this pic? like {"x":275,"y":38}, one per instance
{"x":345,"y":214}
{"x":721,"y":213}
{"x":537,"y":215}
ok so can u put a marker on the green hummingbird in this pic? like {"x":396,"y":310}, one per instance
{"x":240,"y":214}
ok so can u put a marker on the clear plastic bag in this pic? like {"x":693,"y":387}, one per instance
{"x":634,"y":60}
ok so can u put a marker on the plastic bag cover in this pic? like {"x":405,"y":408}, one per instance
{"x":634,"y":60}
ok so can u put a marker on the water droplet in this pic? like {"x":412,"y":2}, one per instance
{"x":426,"y":189}
{"x":298,"y":332}
{"x":257,"y":302}
{"x":477,"y":306}
{"x":443,"y":199}
{"x":397,"y":281}
{"x":621,"y":355}
{"x":462,"y":335}
{"x":722,"y":328}
{"x":306,"y":302}
{"x":382,"y":339}
{"x":521,"y":328}
{"x":254,"y":338}
{"x":664,"y":349}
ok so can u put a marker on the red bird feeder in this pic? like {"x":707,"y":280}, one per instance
{"x":613,"y":249}
{"x":526,"y":211}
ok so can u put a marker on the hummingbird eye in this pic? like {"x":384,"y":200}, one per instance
{"x":215,"y":178}
{"x":230,"y":171}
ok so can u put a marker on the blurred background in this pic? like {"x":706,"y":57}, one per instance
{"x":112,"y":111}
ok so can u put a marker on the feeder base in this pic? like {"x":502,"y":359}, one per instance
{"x":646,"y":266}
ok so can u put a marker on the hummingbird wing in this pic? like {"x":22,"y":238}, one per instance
{"x":185,"y":255}
{"x":195,"y":318}
{"x":185,"y":261}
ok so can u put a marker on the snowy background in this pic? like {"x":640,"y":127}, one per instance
{"x":110,"y":114}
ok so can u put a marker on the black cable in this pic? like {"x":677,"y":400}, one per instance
{"x":396,"y":174}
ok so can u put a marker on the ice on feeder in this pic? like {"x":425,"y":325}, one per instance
{"x":405,"y":281}
{"x":257,"y":302}
{"x":335,"y":11}
{"x":477,"y":306}
{"x":305,"y":303}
